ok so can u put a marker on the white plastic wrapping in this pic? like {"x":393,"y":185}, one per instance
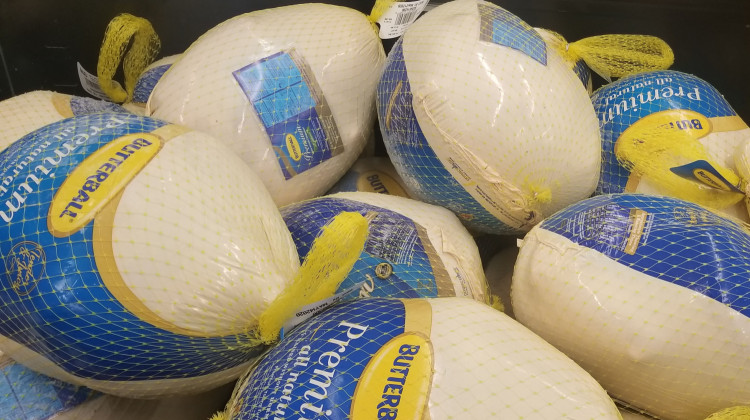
{"x":480,"y":116}
{"x":22,"y":114}
{"x":649,"y":294}
{"x":445,"y":358}
{"x":291,"y":90}
{"x":413,"y":249}
{"x":138,"y":254}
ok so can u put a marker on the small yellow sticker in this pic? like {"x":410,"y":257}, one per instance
{"x":99,"y":178}
{"x":292,"y":146}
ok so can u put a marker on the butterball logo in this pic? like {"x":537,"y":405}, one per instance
{"x":24,"y":266}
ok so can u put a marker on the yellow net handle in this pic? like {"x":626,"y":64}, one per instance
{"x":732,"y":413}
{"x":380,"y":7}
{"x":332,"y":256}
{"x":129,"y":40}
{"x":617,"y":55}
{"x":652,"y":153}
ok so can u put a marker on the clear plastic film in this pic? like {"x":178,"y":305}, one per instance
{"x":127,"y":235}
{"x":287,"y":91}
{"x":649,"y":294}
{"x":371,"y":174}
{"x":22,"y":114}
{"x":478,"y":115}
{"x":413,"y":249}
{"x":131,"y":41}
{"x":671,"y":133}
{"x":415,"y":358}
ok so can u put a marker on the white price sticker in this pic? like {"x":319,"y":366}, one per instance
{"x":90,"y":83}
{"x":399,"y":16}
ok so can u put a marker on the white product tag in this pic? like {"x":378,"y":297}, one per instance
{"x":90,"y":83}
{"x":399,"y":16}
{"x":315,"y":308}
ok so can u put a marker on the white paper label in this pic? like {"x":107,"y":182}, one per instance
{"x":315,"y":308}
{"x":90,"y":83}
{"x":399,"y":16}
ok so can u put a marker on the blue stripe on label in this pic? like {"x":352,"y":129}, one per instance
{"x":680,"y":242}
{"x":146,"y":83}
{"x":64,"y":311}
{"x":298,"y":379}
{"x":620,"y":104}
{"x":393,"y":246}
{"x":501,"y":27}
{"x":411,"y":154}
{"x":84,"y":106}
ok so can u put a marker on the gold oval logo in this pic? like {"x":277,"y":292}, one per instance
{"x":96,"y":180}
{"x":380,"y":182}
{"x":396,"y":382}
{"x":292,"y":145}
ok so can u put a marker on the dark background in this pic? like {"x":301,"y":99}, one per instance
{"x":41,"y":40}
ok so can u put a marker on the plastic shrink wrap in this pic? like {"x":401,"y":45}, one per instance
{"x":481,"y":116}
{"x":413,"y":249}
{"x":22,"y":114}
{"x":671,"y":133}
{"x":138,"y":254}
{"x":416,"y":358}
{"x":291,"y":90}
{"x":649,"y":294}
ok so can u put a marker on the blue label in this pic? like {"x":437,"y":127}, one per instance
{"x":54,"y":299}
{"x":293,"y":111}
{"x":84,"y":106}
{"x":347,"y":183}
{"x":411,"y":154}
{"x":27,"y":395}
{"x":703,"y":173}
{"x":669,"y":239}
{"x":582,"y":71}
{"x":622,"y":103}
{"x":501,"y":27}
{"x":313,"y":373}
{"x":398,"y":259}
{"x":146,"y":83}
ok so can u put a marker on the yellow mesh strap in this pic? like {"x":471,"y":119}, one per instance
{"x":650,"y":153}
{"x":617,"y":55}
{"x":731,"y":413}
{"x":380,"y":7}
{"x":331,"y":258}
{"x":132,"y":41}
{"x":497,"y":303}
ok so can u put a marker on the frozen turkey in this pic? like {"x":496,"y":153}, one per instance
{"x":481,"y":116}
{"x":138,"y":255}
{"x":291,"y":90}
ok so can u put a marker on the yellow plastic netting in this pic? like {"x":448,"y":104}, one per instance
{"x":732,"y":413}
{"x":652,"y":152}
{"x":380,"y":7}
{"x":617,"y":55}
{"x":330,"y":259}
{"x":129,"y":40}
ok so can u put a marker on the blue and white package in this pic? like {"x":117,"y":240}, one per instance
{"x":413,"y":249}
{"x":481,"y":116}
{"x":649,"y":294}
{"x":120,"y":274}
{"x":150,"y":77}
{"x":288,"y":91}
{"x":22,"y":114}
{"x":440,"y":359}
{"x":633,"y":105}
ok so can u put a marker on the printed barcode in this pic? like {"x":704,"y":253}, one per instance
{"x":406,"y":17}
